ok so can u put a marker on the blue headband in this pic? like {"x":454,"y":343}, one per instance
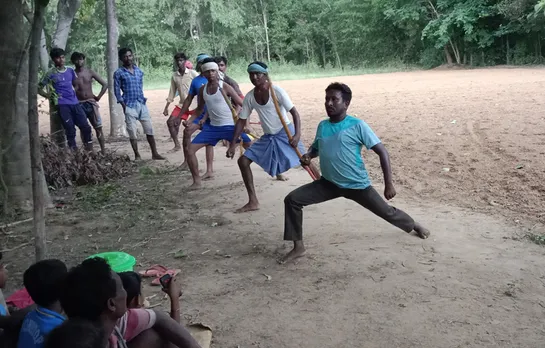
{"x":256,"y":68}
{"x":202,"y":57}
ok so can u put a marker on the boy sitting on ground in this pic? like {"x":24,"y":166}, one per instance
{"x":76,"y":333}
{"x":132,"y":282}
{"x":43,"y":281}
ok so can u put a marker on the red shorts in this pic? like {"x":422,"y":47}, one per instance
{"x":177,"y":110}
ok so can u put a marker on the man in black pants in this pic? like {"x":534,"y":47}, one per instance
{"x":338,"y":142}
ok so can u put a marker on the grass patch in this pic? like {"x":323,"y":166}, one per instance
{"x":537,"y":238}
{"x":97,"y":194}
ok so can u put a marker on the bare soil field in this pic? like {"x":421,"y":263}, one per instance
{"x":467,"y":150}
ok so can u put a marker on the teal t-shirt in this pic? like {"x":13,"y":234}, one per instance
{"x":339,"y":147}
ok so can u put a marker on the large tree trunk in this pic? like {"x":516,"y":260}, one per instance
{"x":15,"y":173}
{"x":44,"y":56}
{"x":39,"y":201}
{"x":14,"y":150}
{"x":66,"y":11}
{"x":117,"y":127}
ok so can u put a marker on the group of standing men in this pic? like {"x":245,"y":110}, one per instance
{"x":221,"y":114}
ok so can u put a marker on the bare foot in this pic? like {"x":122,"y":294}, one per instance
{"x":196,"y":185}
{"x":421,"y":231}
{"x":184,"y":167}
{"x":207,"y":176}
{"x":281,"y":177}
{"x":294,"y":254}
{"x":157,"y":157}
{"x":137,"y":157}
{"x":175,"y":149}
{"x":250,"y":206}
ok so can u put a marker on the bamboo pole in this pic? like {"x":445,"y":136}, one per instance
{"x":287,"y":130}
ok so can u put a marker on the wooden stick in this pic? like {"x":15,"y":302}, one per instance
{"x":287,"y":130}
{"x":234,"y":114}
{"x":15,"y":223}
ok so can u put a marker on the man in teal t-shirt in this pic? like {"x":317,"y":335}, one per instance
{"x":338,"y":142}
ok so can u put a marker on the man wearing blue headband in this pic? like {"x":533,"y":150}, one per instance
{"x":196,"y":85}
{"x":273,"y":152}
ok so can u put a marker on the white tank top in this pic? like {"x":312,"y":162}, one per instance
{"x":218,"y":110}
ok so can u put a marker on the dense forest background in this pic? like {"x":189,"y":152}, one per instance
{"x":342,"y":34}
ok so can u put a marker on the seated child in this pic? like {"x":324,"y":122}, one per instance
{"x":43,"y":281}
{"x":132,"y":282}
{"x":76,"y":333}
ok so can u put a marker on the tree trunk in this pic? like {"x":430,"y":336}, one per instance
{"x":44,"y":56}
{"x":507,"y":51}
{"x":66,"y":11}
{"x":448,"y":56}
{"x":34,"y":131}
{"x":265,"y":26}
{"x":323,"y":54}
{"x":117,"y":127}
{"x":15,"y":174}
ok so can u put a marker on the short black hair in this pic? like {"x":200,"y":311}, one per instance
{"x":76,"y":333}
{"x":220,"y":59}
{"x":208,"y":60}
{"x":77,"y":56}
{"x":263,"y":65}
{"x":56,"y":52}
{"x":346,"y":92}
{"x":132,"y":282}
{"x":180,"y":55}
{"x":87,"y":289}
{"x":121,"y":53}
{"x":43,"y":281}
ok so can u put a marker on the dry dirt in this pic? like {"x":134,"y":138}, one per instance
{"x":467,"y":148}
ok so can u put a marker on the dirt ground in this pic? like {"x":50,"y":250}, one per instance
{"x":467,"y":149}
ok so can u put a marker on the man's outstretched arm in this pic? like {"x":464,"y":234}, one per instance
{"x":389,"y":190}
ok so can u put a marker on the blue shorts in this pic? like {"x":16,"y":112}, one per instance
{"x":210,"y":135}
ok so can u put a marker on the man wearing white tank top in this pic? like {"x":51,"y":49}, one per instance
{"x":216,"y":96}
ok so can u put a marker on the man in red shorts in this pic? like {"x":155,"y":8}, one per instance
{"x":179,"y":85}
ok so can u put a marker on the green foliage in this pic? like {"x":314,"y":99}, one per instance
{"x":342,"y":35}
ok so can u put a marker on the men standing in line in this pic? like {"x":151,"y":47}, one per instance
{"x":61,"y":81}
{"x":129,"y":79}
{"x":339,"y":141}
{"x":179,"y":84}
{"x":84,"y":91}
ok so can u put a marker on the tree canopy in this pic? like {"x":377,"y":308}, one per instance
{"x":342,"y":33}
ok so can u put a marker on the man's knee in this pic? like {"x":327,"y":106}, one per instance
{"x":244,"y":162}
{"x":147,"y":339}
{"x":288,"y":200}
{"x":192,"y":150}
{"x":172,"y":122}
